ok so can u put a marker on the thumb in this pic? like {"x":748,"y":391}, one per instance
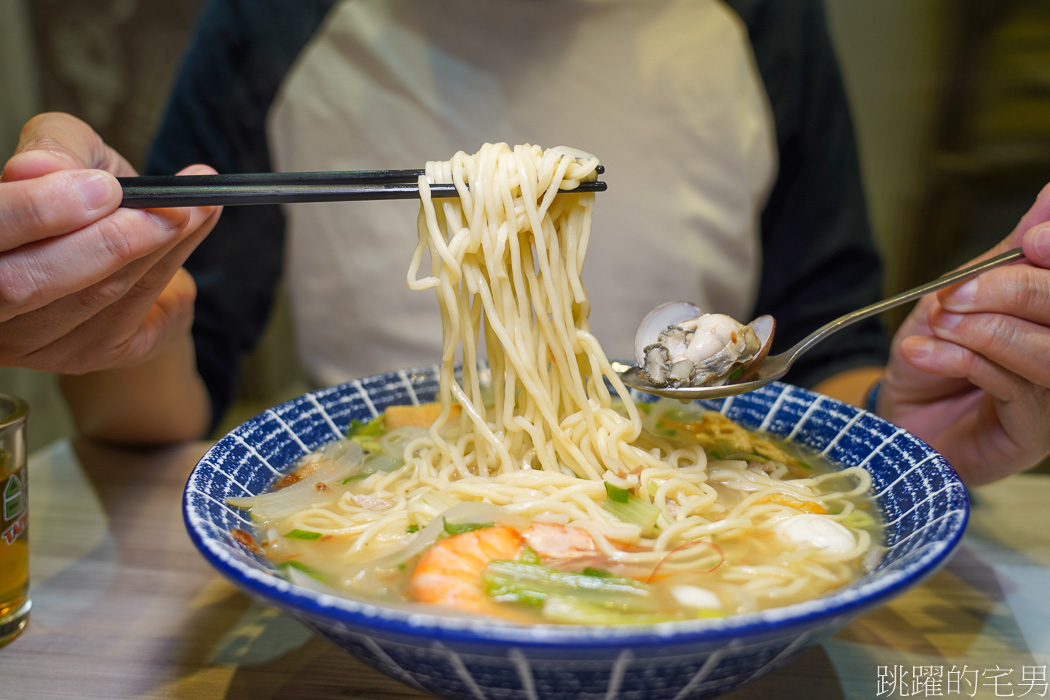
{"x":55,"y":141}
{"x":1038,"y":213}
{"x":1036,"y":244}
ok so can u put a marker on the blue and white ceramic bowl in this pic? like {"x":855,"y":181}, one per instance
{"x":922,"y":499}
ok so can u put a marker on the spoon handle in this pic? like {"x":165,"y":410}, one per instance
{"x":898,"y":299}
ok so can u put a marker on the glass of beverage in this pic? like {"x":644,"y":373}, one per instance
{"x":14,"y":519}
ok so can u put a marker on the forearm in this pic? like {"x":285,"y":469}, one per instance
{"x":160,"y":401}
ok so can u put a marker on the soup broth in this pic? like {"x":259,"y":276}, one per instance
{"x":769,"y":523}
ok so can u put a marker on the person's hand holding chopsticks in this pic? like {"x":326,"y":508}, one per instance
{"x":86,"y":285}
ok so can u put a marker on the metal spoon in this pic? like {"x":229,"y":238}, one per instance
{"x":773,"y":367}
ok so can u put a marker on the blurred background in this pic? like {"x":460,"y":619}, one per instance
{"x":951,"y":100}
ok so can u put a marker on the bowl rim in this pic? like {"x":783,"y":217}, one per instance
{"x":836,"y":607}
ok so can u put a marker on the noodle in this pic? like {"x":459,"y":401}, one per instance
{"x":506,"y":262}
{"x":546,"y":440}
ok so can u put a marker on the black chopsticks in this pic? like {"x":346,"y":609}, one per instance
{"x":278,"y":188}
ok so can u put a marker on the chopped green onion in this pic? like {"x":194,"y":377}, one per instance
{"x":412,"y":529}
{"x":308,"y":570}
{"x":859,"y":518}
{"x":616,"y":493}
{"x":355,"y":477}
{"x":303,"y":535}
{"x":457,"y":528}
{"x":532,"y":584}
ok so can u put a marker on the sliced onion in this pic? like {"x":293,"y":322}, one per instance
{"x":382,"y":462}
{"x":392,"y":446}
{"x":337,"y":461}
{"x":395,"y":442}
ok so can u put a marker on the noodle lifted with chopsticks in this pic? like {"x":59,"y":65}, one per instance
{"x":507,"y":257}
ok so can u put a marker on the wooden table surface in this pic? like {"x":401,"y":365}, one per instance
{"x":125,"y":607}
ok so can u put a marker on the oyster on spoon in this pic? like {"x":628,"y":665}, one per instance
{"x":749,"y":374}
{"x":678,"y":345}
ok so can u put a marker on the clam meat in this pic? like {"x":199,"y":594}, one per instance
{"x":679,"y":345}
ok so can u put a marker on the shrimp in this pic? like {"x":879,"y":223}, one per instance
{"x":559,"y":542}
{"x":450,"y":572}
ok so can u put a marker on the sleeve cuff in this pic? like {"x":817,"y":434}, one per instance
{"x":873,"y":397}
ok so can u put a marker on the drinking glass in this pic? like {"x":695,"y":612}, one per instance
{"x":14,"y":519}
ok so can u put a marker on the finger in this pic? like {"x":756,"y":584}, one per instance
{"x":136,"y":337}
{"x":56,"y":141}
{"x":1039,"y":213}
{"x":145,"y":298}
{"x":169,"y":314}
{"x":89,"y":331}
{"x":128,"y":331}
{"x":1010,"y":437}
{"x":1030,"y":234}
{"x":1036,"y":243}
{"x":1003,"y":430}
{"x":1017,"y":345}
{"x":946,"y":359}
{"x":36,"y":275}
{"x":137,"y":280}
{"x":1018,"y":290}
{"x":54,"y":204}
{"x":994,"y":421}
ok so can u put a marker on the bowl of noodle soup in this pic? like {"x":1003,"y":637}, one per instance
{"x":923,"y":505}
{"x":520,"y":525}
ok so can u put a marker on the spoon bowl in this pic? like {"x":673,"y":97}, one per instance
{"x":765,"y":369}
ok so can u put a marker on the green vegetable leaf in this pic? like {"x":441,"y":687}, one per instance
{"x":531,"y":584}
{"x":597,"y":573}
{"x":373,"y":428}
{"x":570,"y":610}
{"x":633,"y":509}
{"x":528,"y":556}
{"x":366,"y":434}
{"x":303,"y":535}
